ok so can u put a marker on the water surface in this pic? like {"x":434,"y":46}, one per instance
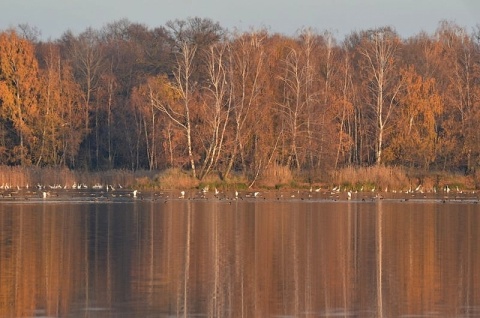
{"x":252,"y":257}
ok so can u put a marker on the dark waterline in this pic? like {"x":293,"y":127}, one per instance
{"x":161,"y":256}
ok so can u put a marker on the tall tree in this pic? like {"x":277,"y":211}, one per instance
{"x":133,"y":53}
{"x":61,"y":114}
{"x":295,"y":81}
{"x":107,"y":105}
{"x":344,"y":115}
{"x":153,"y":98}
{"x":457,"y":58}
{"x":247,"y":81}
{"x":185,"y":88}
{"x":327,"y":103}
{"x":200,"y":33}
{"x":217,"y":106}
{"x":379,"y":48}
{"x":178,"y":111}
{"x":19,"y":93}
{"x":415,"y":135}
{"x":86,"y":55}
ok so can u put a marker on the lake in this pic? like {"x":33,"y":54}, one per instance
{"x":274,"y":255}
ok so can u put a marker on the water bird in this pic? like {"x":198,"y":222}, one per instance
{"x":182,"y":194}
{"x":135,"y":193}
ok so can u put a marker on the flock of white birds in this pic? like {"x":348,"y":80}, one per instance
{"x":100,"y":191}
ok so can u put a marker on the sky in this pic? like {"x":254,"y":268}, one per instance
{"x":341,"y":17}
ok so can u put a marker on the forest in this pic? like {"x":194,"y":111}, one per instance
{"x":194,"y":96}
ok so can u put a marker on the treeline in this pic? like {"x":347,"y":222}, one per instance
{"x":193,"y":95}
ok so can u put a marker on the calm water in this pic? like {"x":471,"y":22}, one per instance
{"x":239,"y":258}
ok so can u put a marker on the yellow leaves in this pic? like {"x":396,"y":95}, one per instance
{"x":19,"y":91}
{"x":420,"y":100}
{"x":420,"y":105}
{"x":6,"y":96}
{"x":60,"y":121}
{"x":18,"y":66}
{"x":156,"y":92}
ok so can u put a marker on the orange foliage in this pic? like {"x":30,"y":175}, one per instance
{"x":415,"y":135}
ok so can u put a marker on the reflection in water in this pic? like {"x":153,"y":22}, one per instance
{"x":379,"y":255}
{"x":38,"y":260}
{"x":239,"y":259}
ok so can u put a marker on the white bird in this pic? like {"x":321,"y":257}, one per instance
{"x":256,"y":194}
{"x":182,"y":194}
{"x":349,"y":195}
{"x":135,"y":193}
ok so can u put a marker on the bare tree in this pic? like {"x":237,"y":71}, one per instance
{"x":297,"y":97}
{"x":217,"y":105}
{"x":184,"y":88}
{"x":458,"y":60}
{"x":87,"y":58}
{"x":379,"y":50}
{"x":346,"y":108}
{"x":60,"y":119}
{"x":246,"y":71}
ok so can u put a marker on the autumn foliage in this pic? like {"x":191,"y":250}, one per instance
{"x":192,"y":95}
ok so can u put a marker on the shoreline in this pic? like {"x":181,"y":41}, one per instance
{"x":228,"y":196}
{"x":370,"y":179}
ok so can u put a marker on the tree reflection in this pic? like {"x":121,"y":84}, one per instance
{"x":240,"y":259}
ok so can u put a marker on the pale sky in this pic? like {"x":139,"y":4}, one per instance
{"x":408,"y":17}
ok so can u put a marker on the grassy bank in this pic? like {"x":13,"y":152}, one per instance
{"x":32,"y":176}
{"x":361,"y":179}
{"x":401,"y":179}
